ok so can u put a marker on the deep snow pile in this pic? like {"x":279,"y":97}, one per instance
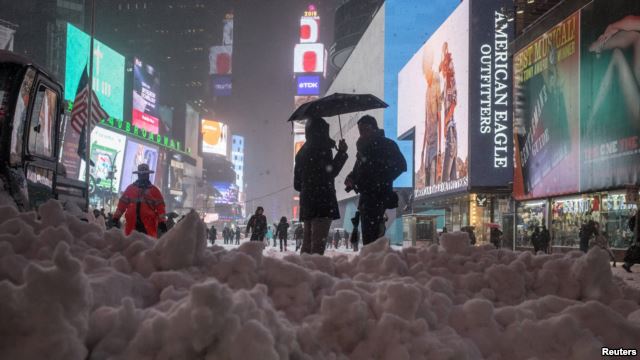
{"x":70,"y":290}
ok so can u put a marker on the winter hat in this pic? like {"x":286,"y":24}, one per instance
{"x":143,"y":169}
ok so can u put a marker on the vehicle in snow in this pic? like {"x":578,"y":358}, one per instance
{"x":31,"y":124}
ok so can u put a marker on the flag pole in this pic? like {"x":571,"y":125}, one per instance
{"x":87,"y":154}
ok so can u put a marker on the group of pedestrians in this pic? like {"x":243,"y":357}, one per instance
{"x":378,"y":163}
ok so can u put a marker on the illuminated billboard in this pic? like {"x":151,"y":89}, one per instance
{"x":309,"y":29}
{"x":137,"y":153}
{"x":455,"y":98}
{"x":433,"y":99}
{"x":146,"y":111}
{"x":227,"y":30}
{"x":214,"y":137}
{"x":308,"y":85}
{"x":108,"y":71}
{"x":577,"y":116}
{"x":228,"y":193}
{"x":548,"y":130}
{"x":107,"y":153}
{"x":308,"y":58}
{"x":221,"y":85}
{"x":404,"y":27}
{"x":220,"y":60}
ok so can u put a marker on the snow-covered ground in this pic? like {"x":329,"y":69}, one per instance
{"x":71,"y":290}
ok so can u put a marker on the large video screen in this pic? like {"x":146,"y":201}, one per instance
{"x":228,"y":193}
{"x":107,"y":153}
{"x":433,"y":98}
{"x":137,"y":153}
{"x":108,"y":71}
{"x":215,"y":136}
{"x":146,"y":85}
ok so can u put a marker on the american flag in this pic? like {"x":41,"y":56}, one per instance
{"x":81,"y":103}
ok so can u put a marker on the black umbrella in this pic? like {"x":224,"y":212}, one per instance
{"x":337,"y":104}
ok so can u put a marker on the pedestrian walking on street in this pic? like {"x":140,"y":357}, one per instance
{"x":586,"y":232}
{"x":545,"y":239}
{"x":336,"y":239}
{"x":269,"y":236}
{"x":213,"y":233}
{"x":314,"y":177}
{"x":257,"y":225}
{"x":535,"y":240}
{"x":281,"y":233}
{"x":298,"y":234}
{"x":632,"y":255}
{"x":470,"y":232}
{"x":346,"y":239}
{"x":142,"y":205}
{"x":355,"y":236}
{"x":238,"y":233}
{"x":378,"y":163}
{"x":495,"y":237}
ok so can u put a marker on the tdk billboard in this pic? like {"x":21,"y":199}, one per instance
{"x":308,"y":85}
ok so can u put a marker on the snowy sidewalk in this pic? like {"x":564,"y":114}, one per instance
{"x":632,"y":279}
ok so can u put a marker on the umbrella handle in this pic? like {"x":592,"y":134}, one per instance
{"x":340,"y":123}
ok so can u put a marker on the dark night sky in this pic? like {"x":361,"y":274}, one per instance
{"x":265,"y":35}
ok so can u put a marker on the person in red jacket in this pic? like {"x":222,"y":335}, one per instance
{"x":143,"y":205}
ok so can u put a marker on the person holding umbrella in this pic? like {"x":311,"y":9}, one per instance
{"x":314,"y":177}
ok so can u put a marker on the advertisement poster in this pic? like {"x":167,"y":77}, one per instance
{"x":547,"y":134}
{"x":434,"y":98}
{"x":137,"y":153}
{"x":176,"y":175}
{"x":107,"y":153}
{"x":146,"y":112}
{"x":108,"y":71}
{"x":610,"y":91}
{"x":214,"y":137}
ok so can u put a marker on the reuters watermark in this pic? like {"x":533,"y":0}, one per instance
{"x":619,"y":352}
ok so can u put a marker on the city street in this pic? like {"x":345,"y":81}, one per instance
{"x":482,"y":155}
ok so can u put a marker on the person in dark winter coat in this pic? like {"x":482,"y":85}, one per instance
{"x":213,"y":233}
{"x":257,"y":224}
{"x":495,"y":237}
{"x":238,"y":233}
{"x":336,"y":239}
{"x":586,"y":232}
{"x":314,"y":177}
{"x":472,"y":235}
{"x":545,"y":239}
{"x":378,"y":163}
{"x":355,"y":236}
{"x":535,"y":240}
{"x":281,"y":233}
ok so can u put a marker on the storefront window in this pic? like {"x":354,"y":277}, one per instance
{"x":610,"y":210}
{"x":529,"y":215}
